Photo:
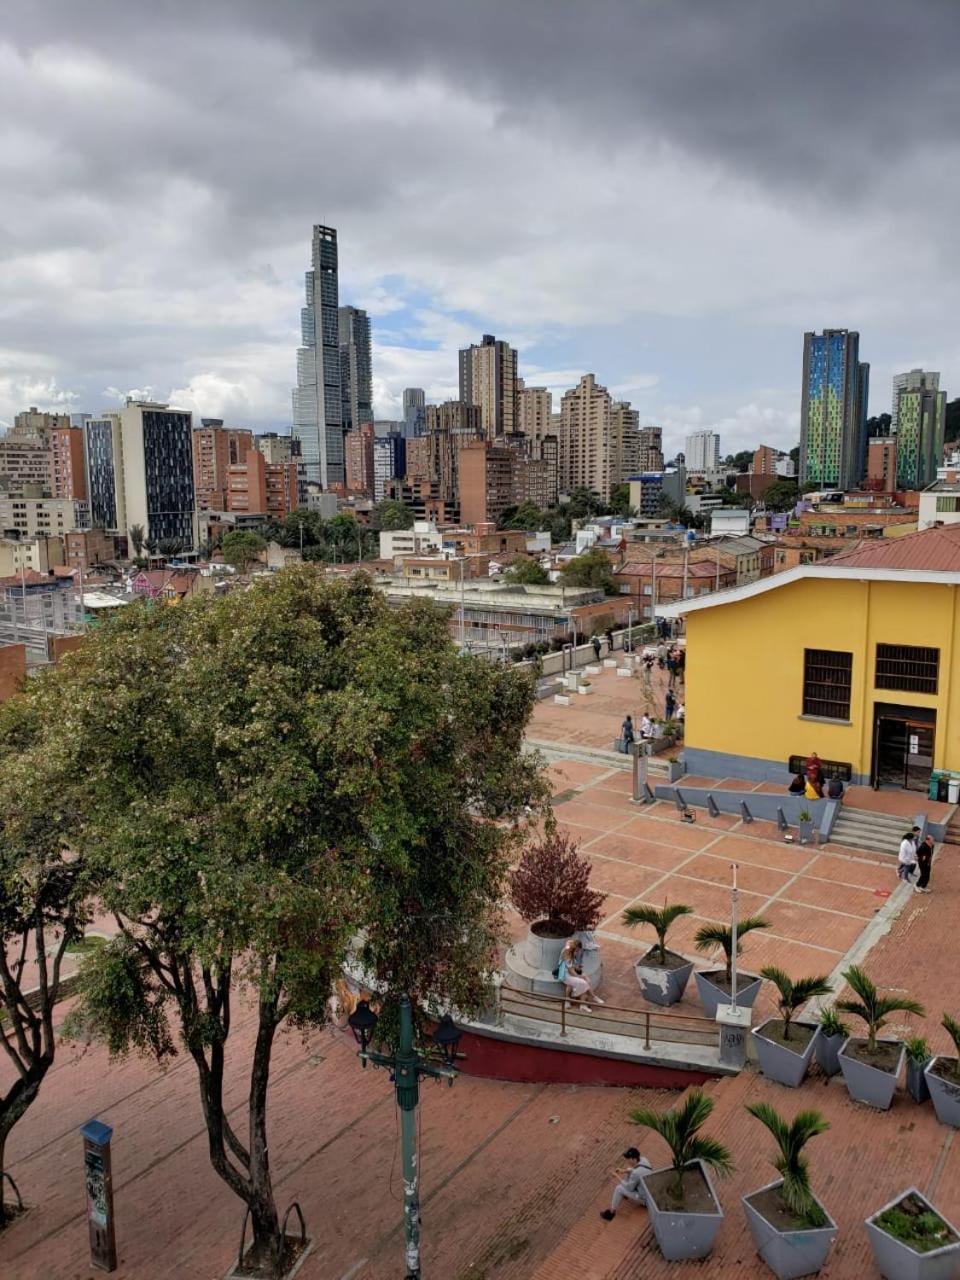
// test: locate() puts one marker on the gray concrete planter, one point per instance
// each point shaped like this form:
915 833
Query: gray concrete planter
945 1094
660 984
681 1235
529 965
789 1254
748 988
828 1053
867 1084
896 1260
917 1080
777 1062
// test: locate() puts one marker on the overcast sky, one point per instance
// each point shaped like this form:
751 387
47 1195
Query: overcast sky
666 193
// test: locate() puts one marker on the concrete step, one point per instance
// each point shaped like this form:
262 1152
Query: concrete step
593 755
864 846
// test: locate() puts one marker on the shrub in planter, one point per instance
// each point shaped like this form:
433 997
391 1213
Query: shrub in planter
870 1066
785 1048
912 1241
918 1056
790 1228
833 1032
943 1078
684 1210
713 985
805 823
663 975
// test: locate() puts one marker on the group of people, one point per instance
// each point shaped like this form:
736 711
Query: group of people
648 729
810 783
915 855
597 643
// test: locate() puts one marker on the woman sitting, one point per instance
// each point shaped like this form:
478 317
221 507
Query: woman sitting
570 974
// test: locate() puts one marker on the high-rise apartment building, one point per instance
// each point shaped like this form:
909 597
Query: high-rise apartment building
882 464
359 456
833 414
157 463
651 449
389 462
277 448
488 378
624 442
585 438
434 457
316 398
44 517
702 451
103 455
215 449
24 460
764 461
35 422
67 470
414 411
920 408
257 487
356 373
534 416
488 481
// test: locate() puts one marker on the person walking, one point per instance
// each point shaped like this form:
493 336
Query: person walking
924 862
596 646
630 1184
669 704
609 634
907 857
627 732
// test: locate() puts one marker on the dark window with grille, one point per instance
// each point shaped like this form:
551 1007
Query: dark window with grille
826 683
908 667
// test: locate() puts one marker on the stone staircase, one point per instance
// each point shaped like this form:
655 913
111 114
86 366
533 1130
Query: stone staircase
867 829
595 755
952 834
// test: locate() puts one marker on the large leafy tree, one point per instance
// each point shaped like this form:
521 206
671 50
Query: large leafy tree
592 569
390 515
267 776
43 892
528 572
241 548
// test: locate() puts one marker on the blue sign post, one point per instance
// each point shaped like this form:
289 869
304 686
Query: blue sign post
98 1179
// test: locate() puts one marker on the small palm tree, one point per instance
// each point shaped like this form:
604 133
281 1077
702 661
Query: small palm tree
680 1130
136 538
871 1006
952 1028
793 994
721 935
660 919
792 1164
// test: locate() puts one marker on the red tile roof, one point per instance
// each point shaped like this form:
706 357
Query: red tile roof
936 549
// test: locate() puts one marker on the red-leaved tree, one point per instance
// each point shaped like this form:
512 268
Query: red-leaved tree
551 884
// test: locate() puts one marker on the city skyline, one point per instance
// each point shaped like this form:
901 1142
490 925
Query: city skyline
164 260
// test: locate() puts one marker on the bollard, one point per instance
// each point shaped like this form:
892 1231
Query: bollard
98 1177
734 1024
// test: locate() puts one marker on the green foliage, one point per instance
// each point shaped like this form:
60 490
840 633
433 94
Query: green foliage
922 1231
584 502
721 935
781 496
391 515
680 1130
791 1163
831 1024
592 569
120 1004
918 1049
136 536
527 572
620 500
791 995
952 1028
241 548
659 918
952 425
170 547
873 1008
526 516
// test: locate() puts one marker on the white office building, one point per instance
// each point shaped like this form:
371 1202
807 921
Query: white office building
702 451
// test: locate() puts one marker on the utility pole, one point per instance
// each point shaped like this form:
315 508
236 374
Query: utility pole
717 588
463 619
733 932
686 561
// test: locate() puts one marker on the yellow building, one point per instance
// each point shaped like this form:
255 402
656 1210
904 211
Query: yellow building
855 658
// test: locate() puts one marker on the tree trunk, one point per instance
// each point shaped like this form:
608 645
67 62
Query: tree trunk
3 1143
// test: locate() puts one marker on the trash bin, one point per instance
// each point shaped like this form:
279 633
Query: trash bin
953 791
933 790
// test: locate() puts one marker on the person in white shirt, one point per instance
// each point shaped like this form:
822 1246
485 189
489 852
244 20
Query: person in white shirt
907 857
646 726
630 1185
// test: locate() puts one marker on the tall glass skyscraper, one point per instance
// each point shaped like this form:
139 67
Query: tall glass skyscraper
919 419
317 420
833 417
356 374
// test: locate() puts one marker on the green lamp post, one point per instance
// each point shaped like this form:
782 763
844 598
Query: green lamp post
407 1067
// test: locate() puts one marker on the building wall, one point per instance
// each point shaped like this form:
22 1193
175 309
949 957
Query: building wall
882 464
745 665
488 379
13 669
85 547
43 516
158 470
316 397
833 409
103 456
276 448
585 438
356 379
67 469
702 450
24 462
358 447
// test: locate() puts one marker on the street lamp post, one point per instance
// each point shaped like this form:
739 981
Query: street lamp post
407 1067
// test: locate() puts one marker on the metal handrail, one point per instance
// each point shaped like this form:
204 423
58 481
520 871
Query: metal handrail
683 1024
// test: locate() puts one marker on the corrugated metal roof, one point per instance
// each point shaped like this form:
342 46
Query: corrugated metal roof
937 548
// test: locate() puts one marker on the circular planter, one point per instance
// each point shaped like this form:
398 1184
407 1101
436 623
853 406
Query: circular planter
866 1083
530 964
777 1061
682 1235
788 1253
945 1093
748 988
663 984
897 1260
828 1053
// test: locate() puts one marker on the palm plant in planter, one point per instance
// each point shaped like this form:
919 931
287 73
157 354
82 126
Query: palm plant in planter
714 985
684 1209
662 974
918 1056
790 1228
942 1075
784 1048
912 1241
870 1066
833 1032
550 889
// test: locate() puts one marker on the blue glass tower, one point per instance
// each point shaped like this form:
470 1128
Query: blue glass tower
833 439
